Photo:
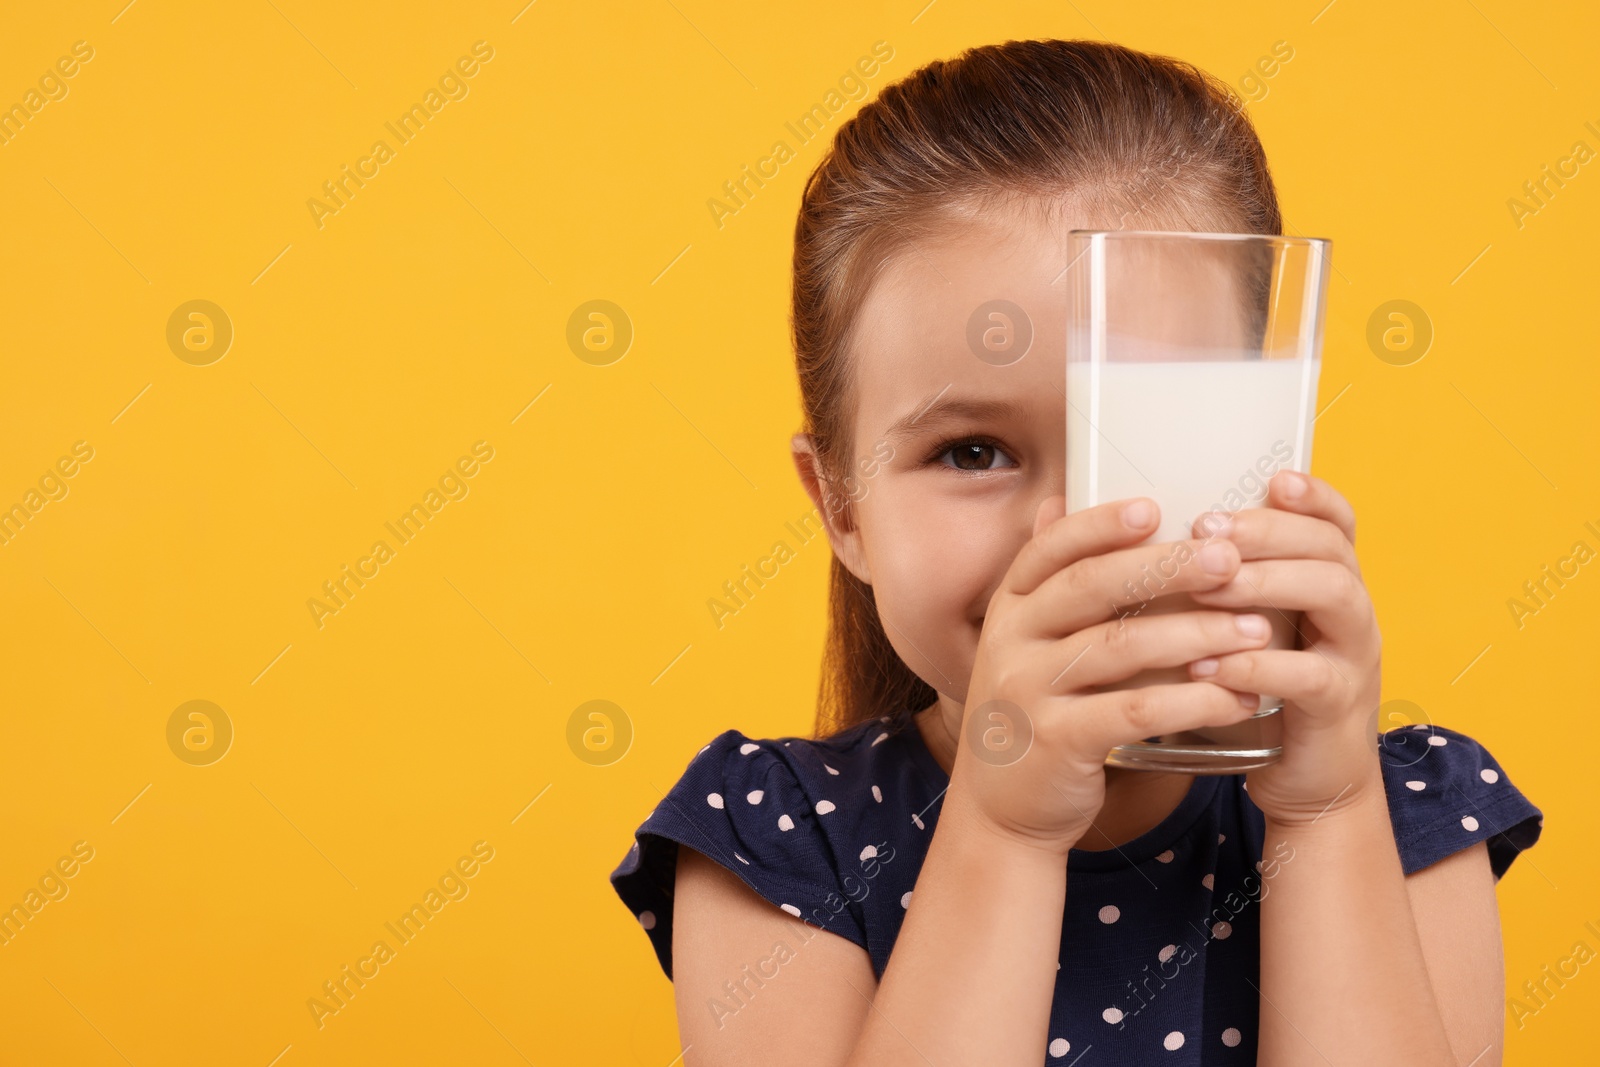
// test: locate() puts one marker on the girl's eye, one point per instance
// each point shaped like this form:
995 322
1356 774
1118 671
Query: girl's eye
972 454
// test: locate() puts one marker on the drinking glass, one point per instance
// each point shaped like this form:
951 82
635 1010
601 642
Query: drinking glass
1192 365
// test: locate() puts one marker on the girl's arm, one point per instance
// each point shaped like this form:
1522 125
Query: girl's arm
1348 973
1344 974
971 979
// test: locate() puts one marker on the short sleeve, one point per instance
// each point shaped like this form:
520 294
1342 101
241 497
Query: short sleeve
1446 793
747 805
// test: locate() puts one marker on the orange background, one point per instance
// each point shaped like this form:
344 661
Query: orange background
373 347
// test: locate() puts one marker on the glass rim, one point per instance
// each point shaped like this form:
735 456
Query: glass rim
1206 235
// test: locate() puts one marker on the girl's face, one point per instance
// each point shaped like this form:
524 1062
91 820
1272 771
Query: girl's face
975 436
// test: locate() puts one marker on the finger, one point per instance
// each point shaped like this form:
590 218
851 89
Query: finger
1115 651
1115 583
1069 538
1310 495
1306 678
1330 594
1106 720
1270 533
1051 509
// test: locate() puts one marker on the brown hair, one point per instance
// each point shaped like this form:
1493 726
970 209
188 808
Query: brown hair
1031 123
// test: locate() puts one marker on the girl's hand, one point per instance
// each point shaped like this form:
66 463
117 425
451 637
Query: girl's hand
1299 555
1030 762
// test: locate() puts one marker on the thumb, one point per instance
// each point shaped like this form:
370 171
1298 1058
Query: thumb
1050 509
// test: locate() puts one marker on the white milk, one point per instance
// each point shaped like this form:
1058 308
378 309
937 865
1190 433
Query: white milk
1194 436
1191 435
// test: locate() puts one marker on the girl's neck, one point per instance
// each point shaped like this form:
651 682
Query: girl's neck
1136 801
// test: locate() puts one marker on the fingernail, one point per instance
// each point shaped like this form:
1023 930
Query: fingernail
1204 667
1216 523
1250 700
1214 558
1136 514
1293 484
1251 625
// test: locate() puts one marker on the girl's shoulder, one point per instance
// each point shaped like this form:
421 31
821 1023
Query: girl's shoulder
1446 792
807 823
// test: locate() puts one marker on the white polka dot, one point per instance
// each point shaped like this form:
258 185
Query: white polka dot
741 859
754 796
1221 930
714 799
829 769
1060 1047
1112 1015
918 820
791 909
1166 954
1258 865
647 919
869 852
785 823
1469 822
877 794
905 898
1208 881
1110 913
1221 838
880 737
824 806
1165 857
1245 786
1231 1036
748 747
702 749
1416 787
1490 775
1173 1041
1438 739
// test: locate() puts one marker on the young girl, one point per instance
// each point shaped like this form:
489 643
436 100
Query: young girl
890 892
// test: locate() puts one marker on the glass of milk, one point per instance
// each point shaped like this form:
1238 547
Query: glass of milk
1192 365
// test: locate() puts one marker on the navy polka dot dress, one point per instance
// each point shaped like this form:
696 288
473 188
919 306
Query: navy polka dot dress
1164 930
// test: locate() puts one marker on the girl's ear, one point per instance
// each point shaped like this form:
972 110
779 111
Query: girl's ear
838 513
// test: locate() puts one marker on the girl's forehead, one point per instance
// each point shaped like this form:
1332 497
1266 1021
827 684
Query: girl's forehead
980 310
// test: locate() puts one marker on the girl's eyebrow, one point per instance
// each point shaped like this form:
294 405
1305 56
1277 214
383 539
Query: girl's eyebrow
938 410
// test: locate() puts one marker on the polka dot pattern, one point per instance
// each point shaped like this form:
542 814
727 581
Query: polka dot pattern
800 819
